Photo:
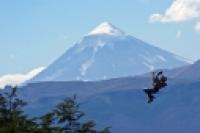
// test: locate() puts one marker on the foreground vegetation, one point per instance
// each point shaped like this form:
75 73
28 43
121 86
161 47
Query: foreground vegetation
64 118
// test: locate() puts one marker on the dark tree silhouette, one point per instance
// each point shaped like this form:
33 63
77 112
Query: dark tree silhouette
63 119
12 117
68 114
48 124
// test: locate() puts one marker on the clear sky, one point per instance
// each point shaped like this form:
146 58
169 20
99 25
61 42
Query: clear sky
34 33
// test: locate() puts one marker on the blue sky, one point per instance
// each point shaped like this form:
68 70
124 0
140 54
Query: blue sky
36 32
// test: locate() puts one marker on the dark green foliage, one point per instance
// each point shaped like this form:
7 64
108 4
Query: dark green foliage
47 124
106 130
88 127
68 114
63 119
12 117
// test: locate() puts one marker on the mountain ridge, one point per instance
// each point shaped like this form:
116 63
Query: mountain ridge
102 55
122 104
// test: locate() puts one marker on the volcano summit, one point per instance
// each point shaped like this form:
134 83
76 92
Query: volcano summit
108 52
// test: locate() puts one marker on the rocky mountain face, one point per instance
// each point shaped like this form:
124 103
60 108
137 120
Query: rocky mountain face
107 52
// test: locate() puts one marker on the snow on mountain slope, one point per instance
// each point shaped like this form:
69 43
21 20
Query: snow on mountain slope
107 52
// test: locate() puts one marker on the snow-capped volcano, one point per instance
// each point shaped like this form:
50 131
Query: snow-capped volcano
107 52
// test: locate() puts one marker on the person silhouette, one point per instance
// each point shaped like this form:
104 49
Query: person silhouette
159 82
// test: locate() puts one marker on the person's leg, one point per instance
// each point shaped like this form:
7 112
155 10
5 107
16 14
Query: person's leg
149 93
